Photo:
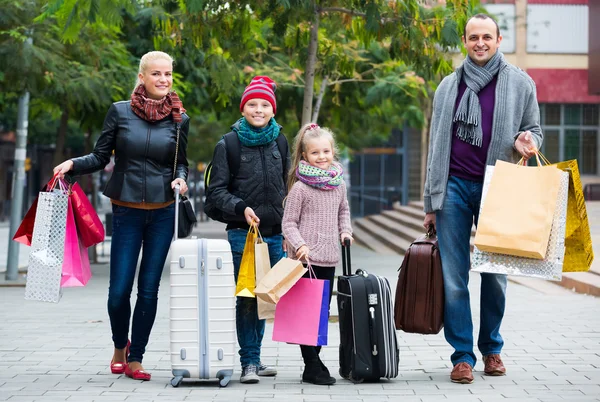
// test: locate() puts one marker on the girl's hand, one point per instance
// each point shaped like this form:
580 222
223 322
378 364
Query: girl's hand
182 185
63 168
302 253
251 216
344 236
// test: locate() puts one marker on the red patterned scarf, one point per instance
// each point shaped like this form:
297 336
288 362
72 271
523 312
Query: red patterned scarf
154 110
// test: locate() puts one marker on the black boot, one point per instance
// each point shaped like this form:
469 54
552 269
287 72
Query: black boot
314 374
323 367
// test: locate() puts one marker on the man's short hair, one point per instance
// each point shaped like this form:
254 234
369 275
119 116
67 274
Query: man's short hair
482 17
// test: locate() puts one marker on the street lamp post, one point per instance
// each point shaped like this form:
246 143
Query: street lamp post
18 187
18 182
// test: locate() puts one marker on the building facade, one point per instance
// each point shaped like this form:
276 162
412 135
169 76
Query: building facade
549 39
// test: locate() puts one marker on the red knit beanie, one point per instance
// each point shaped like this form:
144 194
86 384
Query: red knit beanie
261 87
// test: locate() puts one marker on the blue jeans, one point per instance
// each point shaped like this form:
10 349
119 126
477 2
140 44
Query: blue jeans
453 225
250 330
131 228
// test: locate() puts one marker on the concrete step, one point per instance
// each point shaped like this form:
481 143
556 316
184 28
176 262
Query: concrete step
365 239
410 211
404 221
397 226
420 205
582 282
381 235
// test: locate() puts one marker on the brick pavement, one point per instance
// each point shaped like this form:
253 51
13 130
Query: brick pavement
60 352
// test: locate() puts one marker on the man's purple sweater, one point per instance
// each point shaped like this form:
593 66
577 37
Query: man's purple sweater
468 161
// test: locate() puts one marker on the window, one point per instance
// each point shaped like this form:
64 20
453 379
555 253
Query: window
551 145
571 131
590 115
589 154
552 115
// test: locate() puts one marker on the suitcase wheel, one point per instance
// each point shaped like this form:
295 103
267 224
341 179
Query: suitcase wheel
175 381
224 381
355 380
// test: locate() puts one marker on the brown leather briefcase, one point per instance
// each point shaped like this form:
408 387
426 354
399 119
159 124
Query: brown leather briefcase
420 291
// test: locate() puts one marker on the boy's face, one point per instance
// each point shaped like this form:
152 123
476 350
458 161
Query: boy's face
258 112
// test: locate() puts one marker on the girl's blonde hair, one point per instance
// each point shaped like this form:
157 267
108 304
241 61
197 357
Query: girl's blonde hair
147 59
307 133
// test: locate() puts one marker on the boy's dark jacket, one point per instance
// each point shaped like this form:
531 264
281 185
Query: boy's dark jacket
259 184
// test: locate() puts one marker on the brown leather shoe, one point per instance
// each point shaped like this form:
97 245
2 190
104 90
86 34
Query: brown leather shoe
493 365
462 373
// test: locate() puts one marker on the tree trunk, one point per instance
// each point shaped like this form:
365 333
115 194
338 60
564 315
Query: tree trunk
61 136
425 142
311 63
315 115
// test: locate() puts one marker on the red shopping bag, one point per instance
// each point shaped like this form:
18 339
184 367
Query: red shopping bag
76 264
89 225
24 233
302 314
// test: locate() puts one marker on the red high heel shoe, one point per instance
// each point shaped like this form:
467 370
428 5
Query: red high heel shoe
137 374
119 367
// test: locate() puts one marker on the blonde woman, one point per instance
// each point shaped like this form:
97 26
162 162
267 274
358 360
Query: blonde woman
142 132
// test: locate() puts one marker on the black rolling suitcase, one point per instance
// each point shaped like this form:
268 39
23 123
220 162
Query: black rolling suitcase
368 345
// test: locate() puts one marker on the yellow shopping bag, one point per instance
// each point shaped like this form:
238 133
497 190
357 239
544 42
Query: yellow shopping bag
247 275
578 240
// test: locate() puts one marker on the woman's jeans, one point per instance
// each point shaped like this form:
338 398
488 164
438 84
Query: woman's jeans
133 227
453 225
250 330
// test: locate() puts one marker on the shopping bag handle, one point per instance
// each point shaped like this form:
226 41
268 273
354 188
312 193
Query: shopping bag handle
255 226
311 272
541 159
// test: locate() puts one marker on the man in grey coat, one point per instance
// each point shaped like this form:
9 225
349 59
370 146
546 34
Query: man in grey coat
485 111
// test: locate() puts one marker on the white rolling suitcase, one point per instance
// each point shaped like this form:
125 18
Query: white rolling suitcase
202 309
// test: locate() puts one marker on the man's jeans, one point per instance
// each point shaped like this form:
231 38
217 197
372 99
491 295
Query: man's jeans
131 228
250 329
453 224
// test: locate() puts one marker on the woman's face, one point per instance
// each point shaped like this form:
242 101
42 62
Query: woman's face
158 78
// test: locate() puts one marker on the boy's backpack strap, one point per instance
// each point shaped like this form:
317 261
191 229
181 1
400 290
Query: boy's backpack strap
234 151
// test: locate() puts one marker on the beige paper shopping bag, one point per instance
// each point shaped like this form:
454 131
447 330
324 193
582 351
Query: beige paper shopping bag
263 266
516 217
279 280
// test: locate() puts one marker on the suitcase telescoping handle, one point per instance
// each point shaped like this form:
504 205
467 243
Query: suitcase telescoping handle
346 262
177 189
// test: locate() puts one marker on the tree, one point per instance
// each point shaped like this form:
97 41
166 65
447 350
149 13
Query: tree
69 81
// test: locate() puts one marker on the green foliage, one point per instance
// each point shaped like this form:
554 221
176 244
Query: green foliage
379 59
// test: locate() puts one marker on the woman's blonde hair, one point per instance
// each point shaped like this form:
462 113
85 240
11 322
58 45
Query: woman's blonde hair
307 133
146 60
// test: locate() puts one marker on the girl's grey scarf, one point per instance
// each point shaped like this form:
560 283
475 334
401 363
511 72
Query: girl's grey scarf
468 112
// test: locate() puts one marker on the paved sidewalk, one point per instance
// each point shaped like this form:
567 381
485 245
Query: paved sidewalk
60 352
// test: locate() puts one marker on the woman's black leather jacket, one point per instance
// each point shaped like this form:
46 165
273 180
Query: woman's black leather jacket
144 155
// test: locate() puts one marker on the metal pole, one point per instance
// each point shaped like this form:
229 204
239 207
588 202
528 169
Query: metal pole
18 185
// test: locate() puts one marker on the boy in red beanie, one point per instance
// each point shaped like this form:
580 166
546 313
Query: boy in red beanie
252 191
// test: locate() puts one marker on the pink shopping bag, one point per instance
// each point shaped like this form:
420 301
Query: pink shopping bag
76 264
302 314
89 225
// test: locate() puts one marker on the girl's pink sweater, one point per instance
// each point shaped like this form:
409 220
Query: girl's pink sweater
316 218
